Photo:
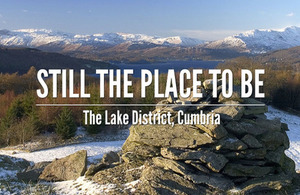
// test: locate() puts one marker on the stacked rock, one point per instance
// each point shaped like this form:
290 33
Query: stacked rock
242 154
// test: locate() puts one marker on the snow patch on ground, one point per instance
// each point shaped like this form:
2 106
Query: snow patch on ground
95 150
4 173
293 122
81 186
85 186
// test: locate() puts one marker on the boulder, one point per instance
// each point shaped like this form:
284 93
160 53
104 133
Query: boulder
208 84
32 173
130 157
95 168
193 99
168 164
276 156
288 166
244 127
68 168
162 104
251 141
238 170
215 162
236 96
214 130
184 136
157 181
254 110
270 182
272 140
140 149
249 154
120 174
230 143
229 113
216 182
198 165
110 158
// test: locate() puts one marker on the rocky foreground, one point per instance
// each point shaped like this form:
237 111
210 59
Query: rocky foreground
243 154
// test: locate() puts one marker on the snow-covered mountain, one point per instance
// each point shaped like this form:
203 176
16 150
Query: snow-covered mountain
42 37
260 41
140 47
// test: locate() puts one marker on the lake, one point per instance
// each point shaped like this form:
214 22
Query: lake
165 66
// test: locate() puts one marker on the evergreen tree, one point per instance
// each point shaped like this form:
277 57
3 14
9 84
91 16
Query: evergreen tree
65 125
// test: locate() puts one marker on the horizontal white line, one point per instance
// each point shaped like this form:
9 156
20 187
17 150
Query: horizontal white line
132 105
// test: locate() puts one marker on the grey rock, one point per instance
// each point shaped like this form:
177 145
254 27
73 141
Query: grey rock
289 166
217 182
272 140
111 157
214 130
244 127
236 96
250 154
215 162
95 168
176 166
197 165
193 99
230 143
238 170
68 168
140 149
270 182
32 173
119 174
155 180
254 110
250 162
276 156
229 113
208 84
251 141
184 136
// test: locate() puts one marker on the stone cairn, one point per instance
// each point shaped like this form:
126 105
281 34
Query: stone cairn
242 155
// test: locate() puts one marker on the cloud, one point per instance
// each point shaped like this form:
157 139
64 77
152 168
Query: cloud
25 10
207 35
290 14
69 12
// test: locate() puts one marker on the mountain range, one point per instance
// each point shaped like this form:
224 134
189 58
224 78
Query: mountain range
139 47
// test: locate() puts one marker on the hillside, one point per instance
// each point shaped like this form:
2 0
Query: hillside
140 47
289 56
21 59
259 41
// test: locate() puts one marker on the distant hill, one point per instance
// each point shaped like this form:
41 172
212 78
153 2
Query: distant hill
21 59
282 59
139 47
259 41
291 55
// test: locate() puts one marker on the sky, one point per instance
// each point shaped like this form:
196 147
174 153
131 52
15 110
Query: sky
202 19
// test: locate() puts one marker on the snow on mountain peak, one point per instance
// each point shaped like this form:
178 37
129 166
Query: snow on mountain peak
40 37
260 40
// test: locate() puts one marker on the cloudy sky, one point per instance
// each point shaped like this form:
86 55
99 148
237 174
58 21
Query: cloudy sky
207 20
